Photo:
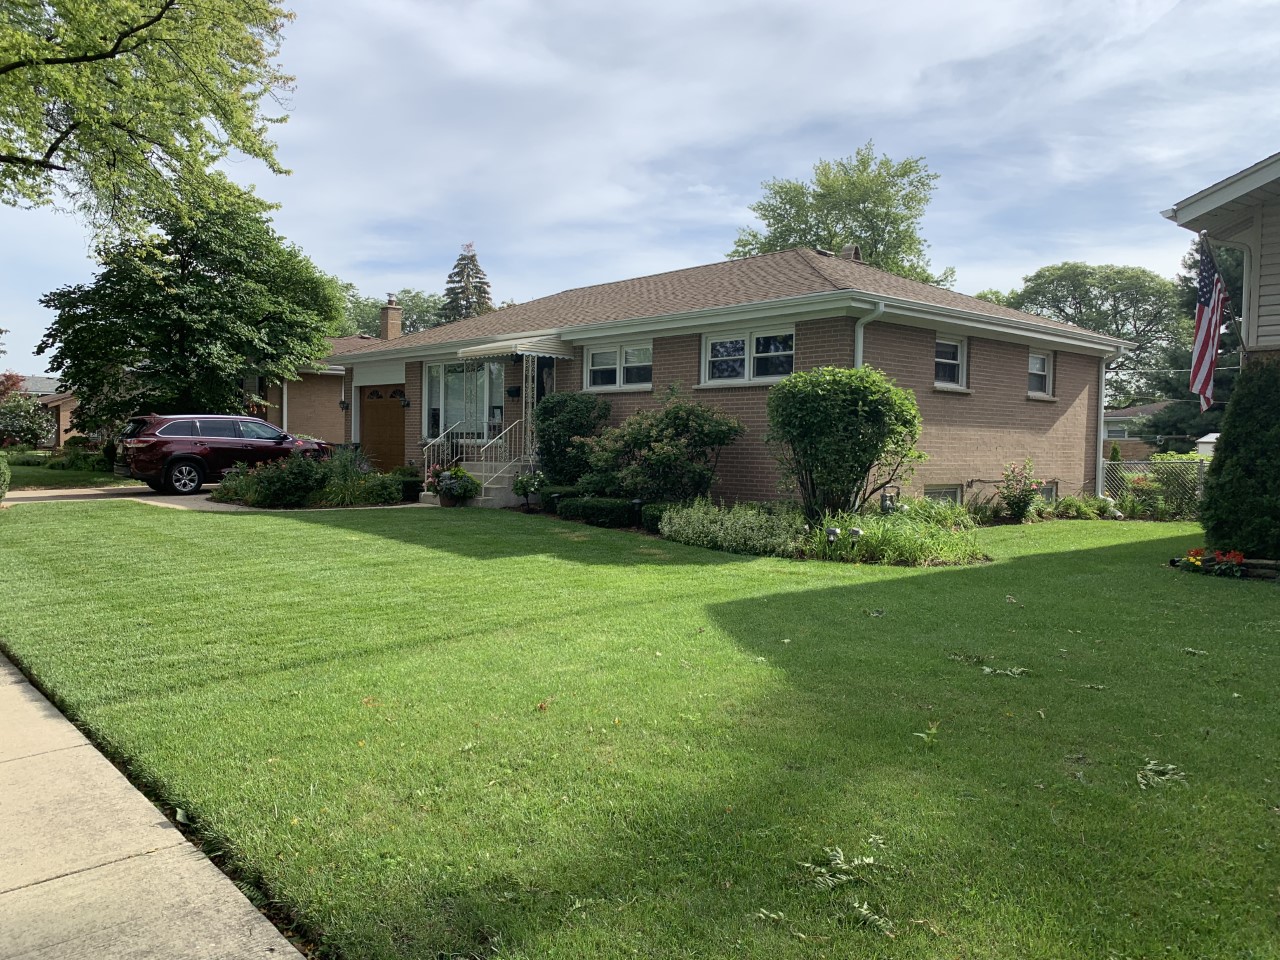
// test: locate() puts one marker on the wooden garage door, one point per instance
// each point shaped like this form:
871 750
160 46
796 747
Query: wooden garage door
382 425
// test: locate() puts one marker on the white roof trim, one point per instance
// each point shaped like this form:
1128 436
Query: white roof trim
1224 191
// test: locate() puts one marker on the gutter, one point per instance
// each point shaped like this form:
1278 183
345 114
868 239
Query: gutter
874 315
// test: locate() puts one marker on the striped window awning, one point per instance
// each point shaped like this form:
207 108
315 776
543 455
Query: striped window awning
525 347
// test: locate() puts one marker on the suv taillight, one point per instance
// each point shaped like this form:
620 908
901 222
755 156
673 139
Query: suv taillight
133 442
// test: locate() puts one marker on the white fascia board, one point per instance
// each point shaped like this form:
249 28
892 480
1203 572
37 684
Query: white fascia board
1027 331
834 303
1224 191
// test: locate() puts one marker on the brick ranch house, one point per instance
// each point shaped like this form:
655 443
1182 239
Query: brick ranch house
994 385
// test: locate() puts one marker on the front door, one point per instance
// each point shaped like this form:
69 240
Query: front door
382 425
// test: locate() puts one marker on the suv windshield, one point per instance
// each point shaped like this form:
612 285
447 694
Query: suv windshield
254 430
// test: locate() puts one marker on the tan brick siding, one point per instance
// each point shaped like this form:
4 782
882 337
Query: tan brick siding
313 407
413 416
969 437
348 386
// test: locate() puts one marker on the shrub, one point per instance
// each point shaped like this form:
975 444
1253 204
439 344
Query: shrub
943 513
985 510
79 457
1242 485
842 435
1076 508
896 538
664 454
291 481
527 484
743 528
599 511
552 494
559 420
6 475
1115 456
1018 489
363 490
651 515
26 459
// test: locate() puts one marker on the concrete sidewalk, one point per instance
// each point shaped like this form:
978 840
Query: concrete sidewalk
199 501
90 869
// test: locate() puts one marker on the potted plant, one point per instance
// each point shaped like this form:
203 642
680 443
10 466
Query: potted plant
454 487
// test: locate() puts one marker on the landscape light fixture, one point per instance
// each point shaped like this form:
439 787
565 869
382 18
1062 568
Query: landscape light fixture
889 501
832 534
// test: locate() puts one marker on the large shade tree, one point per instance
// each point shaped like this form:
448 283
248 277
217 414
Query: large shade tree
1131 303
176 320
875 202
119 107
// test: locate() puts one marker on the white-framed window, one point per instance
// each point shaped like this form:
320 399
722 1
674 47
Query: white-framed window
948 361
619 365
945 493
747 356
1040 373
1117 433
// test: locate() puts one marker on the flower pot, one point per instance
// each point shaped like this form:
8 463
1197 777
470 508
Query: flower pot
448 501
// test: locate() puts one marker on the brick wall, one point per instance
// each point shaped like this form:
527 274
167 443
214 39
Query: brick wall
413 416
969 436
313 407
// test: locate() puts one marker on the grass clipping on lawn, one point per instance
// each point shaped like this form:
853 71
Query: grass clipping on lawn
475 733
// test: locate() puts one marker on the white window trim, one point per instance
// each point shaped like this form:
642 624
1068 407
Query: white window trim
946 488
962 357
748 335
621 346
1047 392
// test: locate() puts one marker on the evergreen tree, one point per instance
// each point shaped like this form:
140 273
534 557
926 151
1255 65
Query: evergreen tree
466 293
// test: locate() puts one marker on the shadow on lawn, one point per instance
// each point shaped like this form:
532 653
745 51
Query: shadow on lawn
990 829
481 534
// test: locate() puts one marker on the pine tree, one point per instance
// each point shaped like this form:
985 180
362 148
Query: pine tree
466 293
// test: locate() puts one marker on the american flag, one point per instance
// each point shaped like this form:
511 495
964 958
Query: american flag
1211 303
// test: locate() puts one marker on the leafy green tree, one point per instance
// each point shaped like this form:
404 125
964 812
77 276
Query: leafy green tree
1241 506
560 420
1131 303
10 382
876 203
1182 422
121 106
174 321
466 294
842 435
24 420
363 314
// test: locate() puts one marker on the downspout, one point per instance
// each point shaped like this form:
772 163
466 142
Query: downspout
875 314
284 406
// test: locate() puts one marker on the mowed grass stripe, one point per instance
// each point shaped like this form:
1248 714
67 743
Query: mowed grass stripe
461 732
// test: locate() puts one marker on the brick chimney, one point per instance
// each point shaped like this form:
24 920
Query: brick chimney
389 325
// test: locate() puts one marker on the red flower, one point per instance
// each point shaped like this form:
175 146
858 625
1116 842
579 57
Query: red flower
1197 552
1235 556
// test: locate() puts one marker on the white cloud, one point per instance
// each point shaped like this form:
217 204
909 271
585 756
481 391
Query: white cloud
576 142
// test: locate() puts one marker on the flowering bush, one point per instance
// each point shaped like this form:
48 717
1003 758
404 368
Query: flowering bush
1018 489
527 484
455 483
1229 563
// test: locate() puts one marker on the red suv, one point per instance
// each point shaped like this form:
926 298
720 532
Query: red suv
179 453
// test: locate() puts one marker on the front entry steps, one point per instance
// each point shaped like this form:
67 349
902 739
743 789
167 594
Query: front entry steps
497 492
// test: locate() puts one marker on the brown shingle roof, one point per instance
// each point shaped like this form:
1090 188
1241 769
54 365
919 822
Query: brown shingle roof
728 283
347 344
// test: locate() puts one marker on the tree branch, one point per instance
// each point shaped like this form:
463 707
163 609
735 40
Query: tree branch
36 162
116 50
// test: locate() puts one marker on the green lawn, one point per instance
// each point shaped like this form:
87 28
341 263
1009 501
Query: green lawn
445 733
42 478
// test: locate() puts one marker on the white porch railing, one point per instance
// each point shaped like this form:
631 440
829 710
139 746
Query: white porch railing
500 456
443 449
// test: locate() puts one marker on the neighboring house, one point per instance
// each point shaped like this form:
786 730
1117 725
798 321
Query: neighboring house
1127 427
38 386
994 385
311 405
60 407
1243 211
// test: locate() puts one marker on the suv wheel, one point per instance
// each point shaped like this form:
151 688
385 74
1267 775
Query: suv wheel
185 476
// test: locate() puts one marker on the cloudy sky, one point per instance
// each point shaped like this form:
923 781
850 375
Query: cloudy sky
577 142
